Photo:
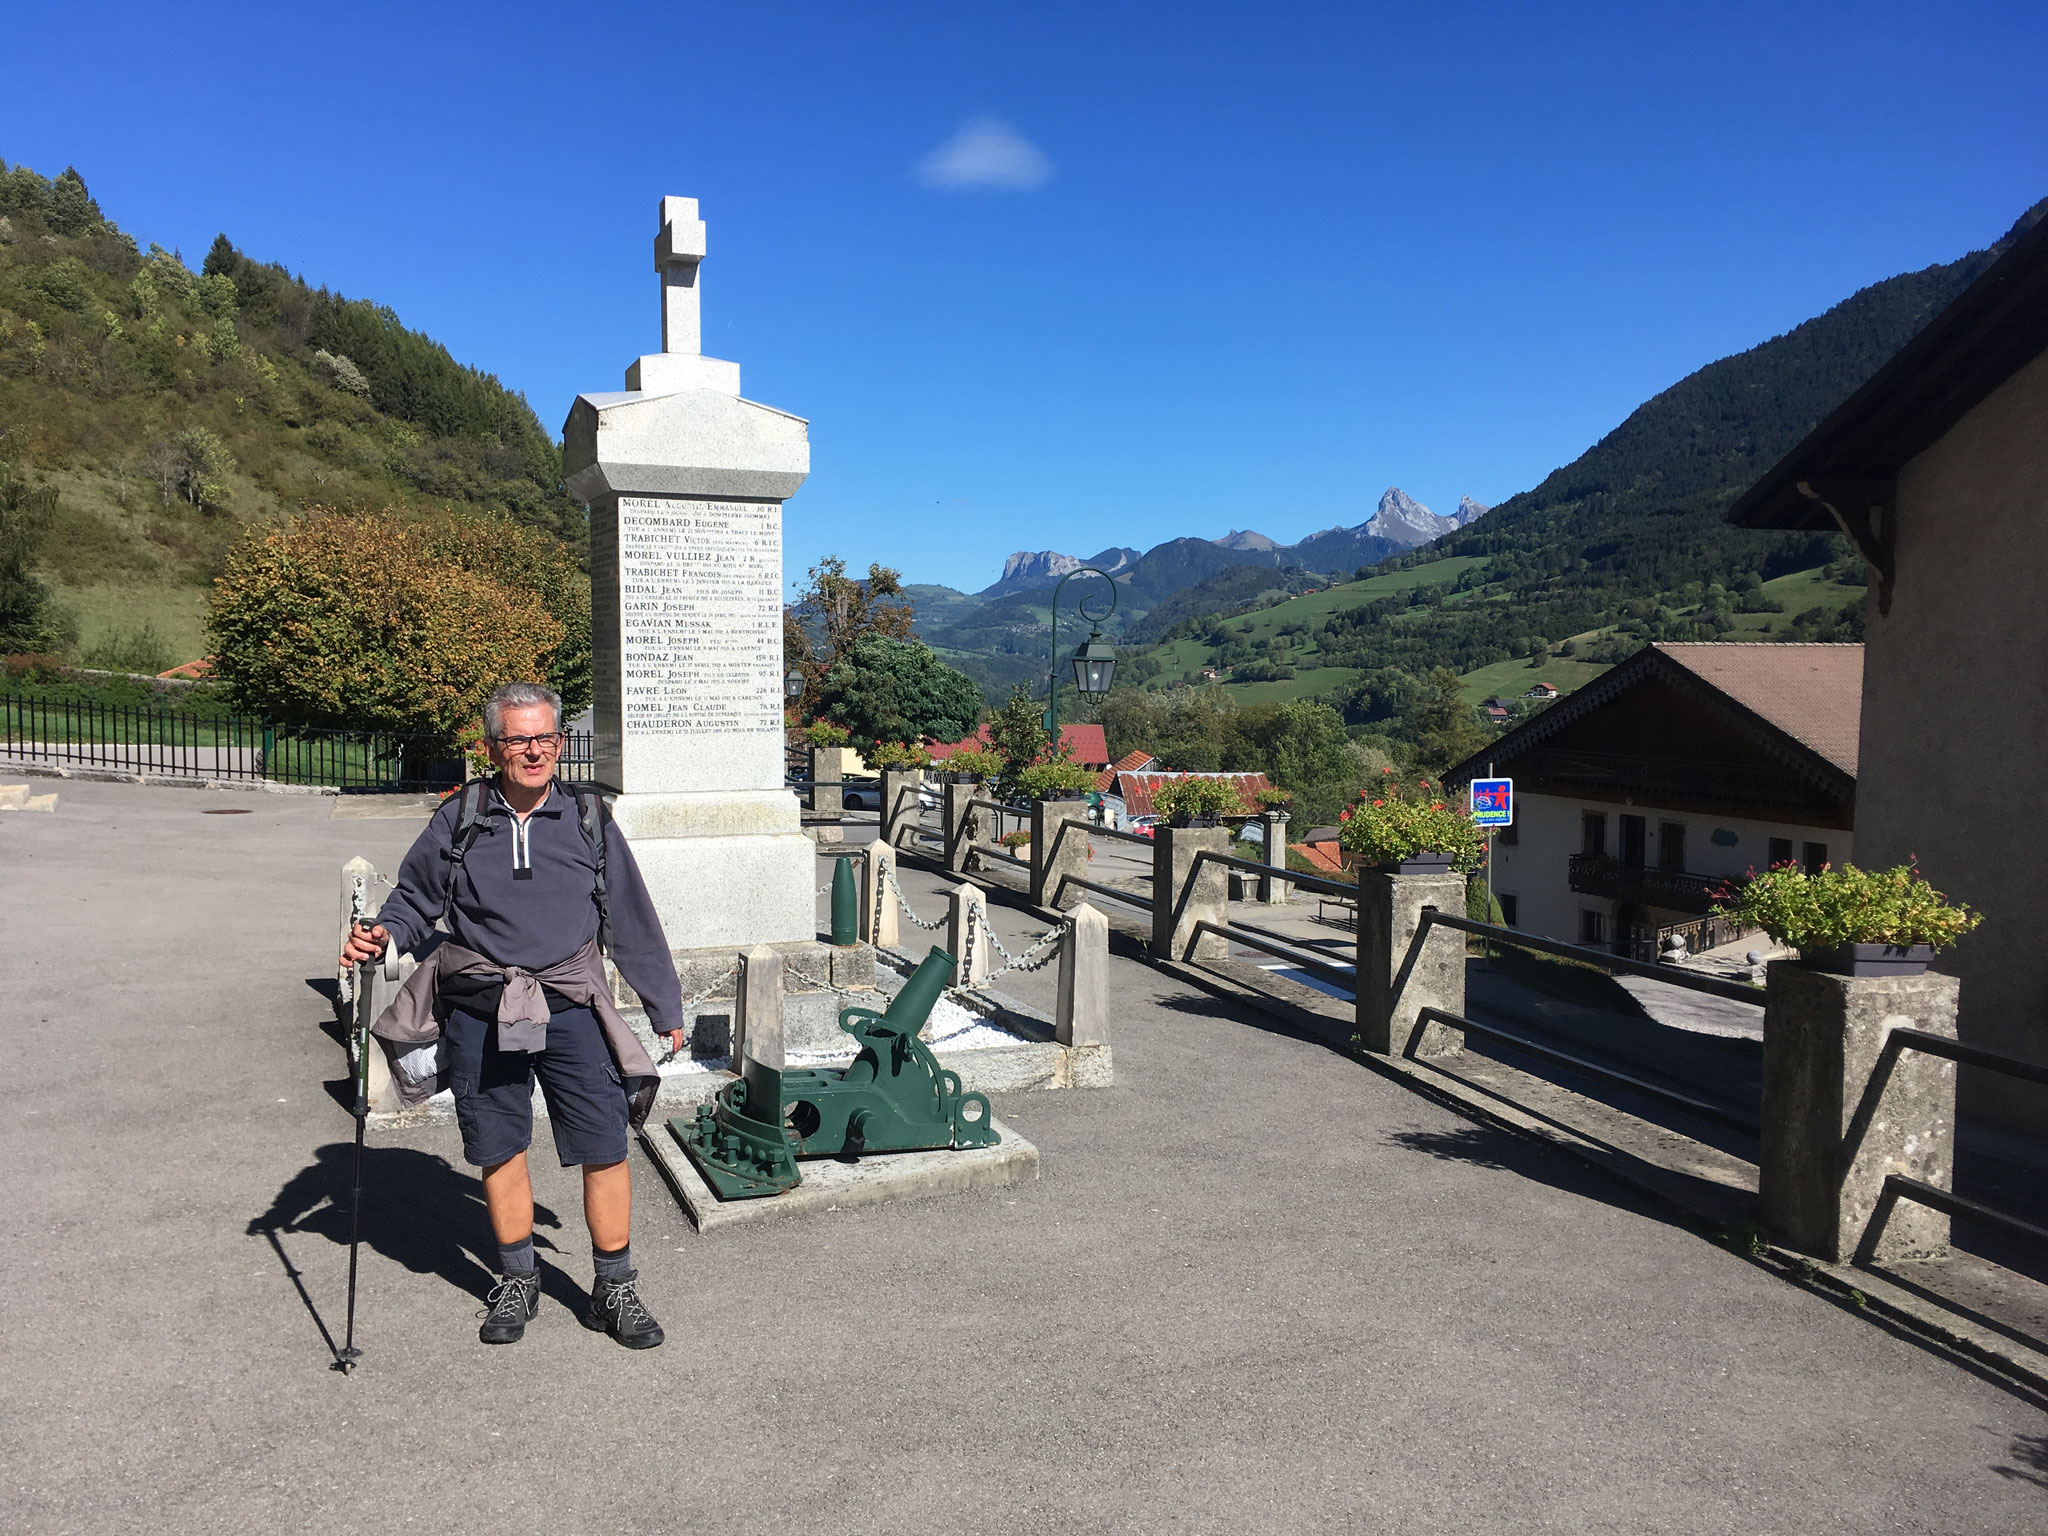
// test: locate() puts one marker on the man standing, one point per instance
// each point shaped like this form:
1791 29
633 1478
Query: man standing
518 991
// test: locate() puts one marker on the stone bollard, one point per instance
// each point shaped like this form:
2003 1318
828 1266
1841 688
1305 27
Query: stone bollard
1272 889
902 805
882 915
1056 851
1396 981
1177 907
1840 1112
960 826
757 1009
1083 1012
827 772
967 935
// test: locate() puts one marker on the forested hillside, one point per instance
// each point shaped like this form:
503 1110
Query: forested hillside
170 408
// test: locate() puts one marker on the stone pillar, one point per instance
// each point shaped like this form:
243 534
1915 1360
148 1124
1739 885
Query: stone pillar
967 935
1396 981
757 1052
359 896
1174 919
1838 1115
685 481
1049 865
1272 889
880 917
828 772
1083 1012
902 805
959 825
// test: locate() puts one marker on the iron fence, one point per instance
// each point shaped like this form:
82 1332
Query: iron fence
203 744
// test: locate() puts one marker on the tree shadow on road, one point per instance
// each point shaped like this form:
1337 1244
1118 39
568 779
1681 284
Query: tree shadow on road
2031 1451
418 1210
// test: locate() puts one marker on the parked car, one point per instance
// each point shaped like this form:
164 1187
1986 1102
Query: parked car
860 795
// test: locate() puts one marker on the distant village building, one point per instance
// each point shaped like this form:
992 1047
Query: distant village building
1084 743
1541 691
1937 470
1127 802
1639 796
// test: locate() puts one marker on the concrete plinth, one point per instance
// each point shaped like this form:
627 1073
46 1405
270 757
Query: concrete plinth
902 804
1396 979
832 1184
1840 1114
1175 907
731 868
1053 856
962 826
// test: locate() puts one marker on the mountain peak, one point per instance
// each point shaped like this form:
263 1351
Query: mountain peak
1245 539
1469 511
1404 521
1027 569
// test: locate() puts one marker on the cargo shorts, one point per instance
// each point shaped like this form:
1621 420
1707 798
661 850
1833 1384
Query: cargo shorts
587 1102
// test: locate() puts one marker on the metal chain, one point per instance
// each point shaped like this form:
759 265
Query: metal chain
1030 960
903 906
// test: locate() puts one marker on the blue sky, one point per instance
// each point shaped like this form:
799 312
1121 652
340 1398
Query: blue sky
1065 276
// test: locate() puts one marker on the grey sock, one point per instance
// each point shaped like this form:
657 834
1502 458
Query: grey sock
516 1258
616 1265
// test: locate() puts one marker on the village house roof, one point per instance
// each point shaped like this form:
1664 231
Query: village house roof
1089 746
1803 703
1990 331
1137 789
1328 857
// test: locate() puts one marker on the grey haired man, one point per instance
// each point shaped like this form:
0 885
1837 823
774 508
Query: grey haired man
517 991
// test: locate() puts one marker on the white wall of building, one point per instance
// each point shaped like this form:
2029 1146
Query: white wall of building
1536 869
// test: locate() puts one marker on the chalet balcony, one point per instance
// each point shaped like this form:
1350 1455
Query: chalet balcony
1751 787
1596 874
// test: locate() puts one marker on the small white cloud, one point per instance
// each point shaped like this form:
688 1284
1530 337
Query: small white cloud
985 153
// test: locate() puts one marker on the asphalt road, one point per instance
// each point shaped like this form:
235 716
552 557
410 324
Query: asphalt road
1258 1288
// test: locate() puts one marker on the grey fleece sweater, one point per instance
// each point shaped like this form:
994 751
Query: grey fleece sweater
528 897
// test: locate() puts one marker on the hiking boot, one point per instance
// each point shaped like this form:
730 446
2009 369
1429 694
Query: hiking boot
511 1306
616 1309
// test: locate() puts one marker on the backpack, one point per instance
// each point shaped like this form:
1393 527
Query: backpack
592 815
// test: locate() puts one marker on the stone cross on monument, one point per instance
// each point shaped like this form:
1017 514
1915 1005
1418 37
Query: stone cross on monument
685 483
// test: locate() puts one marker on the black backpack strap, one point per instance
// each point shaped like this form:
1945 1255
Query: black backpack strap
468 822
592 815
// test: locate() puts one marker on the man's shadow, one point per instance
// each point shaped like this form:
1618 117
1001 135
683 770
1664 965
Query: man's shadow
417 1209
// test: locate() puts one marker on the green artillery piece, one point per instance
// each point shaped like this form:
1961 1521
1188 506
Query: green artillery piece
895 1097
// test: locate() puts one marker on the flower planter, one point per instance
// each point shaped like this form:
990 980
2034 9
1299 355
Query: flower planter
1195 821
1064 794
1418 864
1869 959
959 778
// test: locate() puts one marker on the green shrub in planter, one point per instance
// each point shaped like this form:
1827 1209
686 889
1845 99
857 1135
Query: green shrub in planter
1273 798
896 754
975 762
1056 776
1398 821
1190 796
824 733
1894 907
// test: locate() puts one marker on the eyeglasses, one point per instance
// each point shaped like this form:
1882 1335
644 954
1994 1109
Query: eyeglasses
552 742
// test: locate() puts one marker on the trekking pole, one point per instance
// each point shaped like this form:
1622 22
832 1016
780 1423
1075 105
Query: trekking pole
349 1353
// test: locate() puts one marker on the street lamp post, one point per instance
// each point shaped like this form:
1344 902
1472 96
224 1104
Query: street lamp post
1094 662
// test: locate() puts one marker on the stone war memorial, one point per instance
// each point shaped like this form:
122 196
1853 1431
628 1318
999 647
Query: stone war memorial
685 482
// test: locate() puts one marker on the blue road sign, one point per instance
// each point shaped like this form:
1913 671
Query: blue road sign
1493 802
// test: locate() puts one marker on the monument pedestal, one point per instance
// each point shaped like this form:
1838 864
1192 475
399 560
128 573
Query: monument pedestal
729 867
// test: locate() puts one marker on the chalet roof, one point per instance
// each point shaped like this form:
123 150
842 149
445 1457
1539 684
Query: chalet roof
1137 788
1803 701
1990 331
1086 742
1134 761
1325 856
1813 693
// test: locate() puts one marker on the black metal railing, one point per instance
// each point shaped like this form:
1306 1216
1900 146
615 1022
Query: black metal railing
1598 874
202 744
1899 1186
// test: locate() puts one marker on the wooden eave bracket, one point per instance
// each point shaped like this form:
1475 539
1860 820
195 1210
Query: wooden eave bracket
1865 511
